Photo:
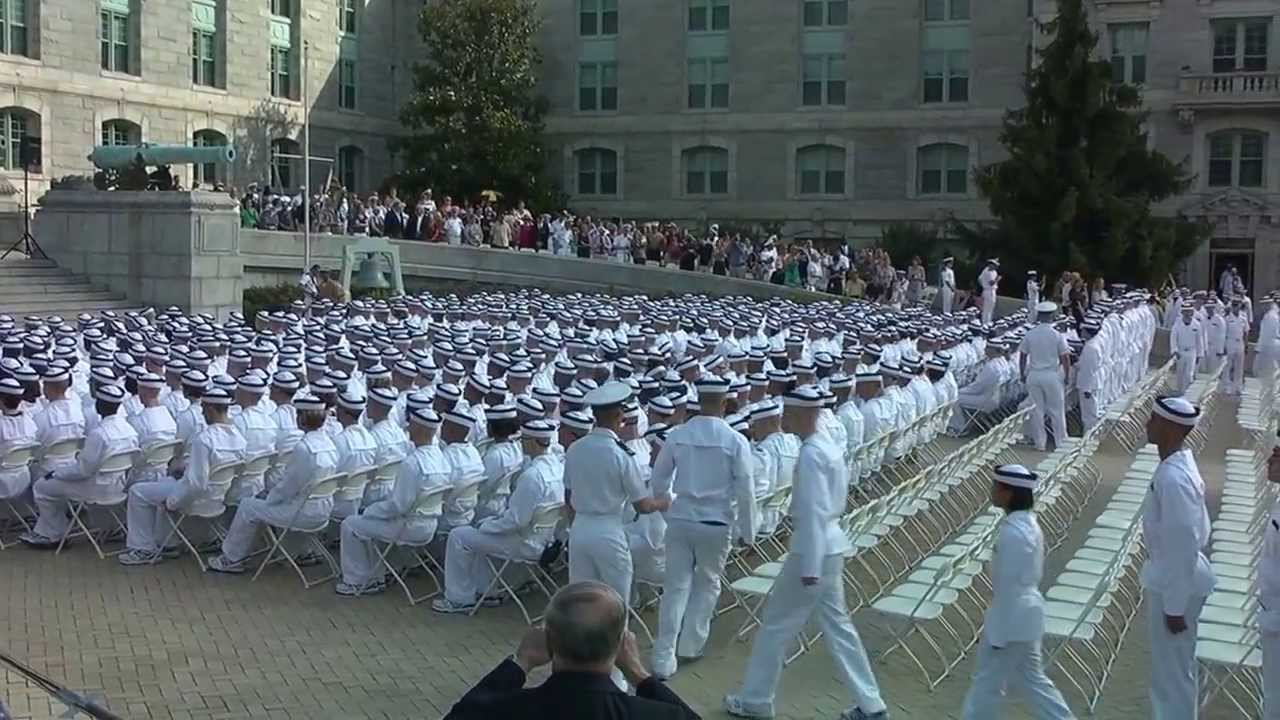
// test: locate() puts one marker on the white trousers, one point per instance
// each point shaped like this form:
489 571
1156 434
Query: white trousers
948 296
1184 371
1235 370
1089 409
359 555
786 612
1270 675
1016 665
54 497
253 512
695 559
1264 364
148 524
1045 390
988 307
466 571
598 550
1175 675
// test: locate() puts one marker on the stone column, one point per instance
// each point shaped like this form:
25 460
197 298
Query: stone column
157 248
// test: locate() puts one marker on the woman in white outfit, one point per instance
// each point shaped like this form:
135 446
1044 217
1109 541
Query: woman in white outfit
1009 656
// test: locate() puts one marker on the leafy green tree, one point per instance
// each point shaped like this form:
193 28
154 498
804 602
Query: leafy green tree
475 113
1077 190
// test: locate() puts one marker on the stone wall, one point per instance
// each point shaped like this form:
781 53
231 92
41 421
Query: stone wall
158 249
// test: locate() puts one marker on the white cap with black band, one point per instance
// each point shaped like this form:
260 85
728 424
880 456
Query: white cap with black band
1177 410
1017 476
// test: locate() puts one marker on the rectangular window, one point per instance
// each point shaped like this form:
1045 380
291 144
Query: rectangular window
597 17
347 84
1221 156
708 83
708 15
1253 147
282 8
347 16
597 86
13 27
597 172
115 40
1240 45
826 13
280 59
1129 53
706 171
944 168
824 80
204 64
13 127
946 10
946 76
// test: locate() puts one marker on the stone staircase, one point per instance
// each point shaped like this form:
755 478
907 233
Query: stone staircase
39 287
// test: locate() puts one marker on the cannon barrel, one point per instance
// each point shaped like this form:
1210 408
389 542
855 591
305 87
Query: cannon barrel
119 157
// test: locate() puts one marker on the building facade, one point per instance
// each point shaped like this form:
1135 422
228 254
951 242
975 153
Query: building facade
835 117
831 117
80 73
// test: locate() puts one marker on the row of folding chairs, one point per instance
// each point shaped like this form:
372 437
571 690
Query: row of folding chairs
1256 413
1227 639
921 435
940 605
1127 416
1008 398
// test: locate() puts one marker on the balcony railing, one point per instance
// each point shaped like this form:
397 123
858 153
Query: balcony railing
1245 88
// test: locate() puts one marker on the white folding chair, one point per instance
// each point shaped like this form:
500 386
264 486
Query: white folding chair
544 521
428 504
321 489
383 480
15 458
251 474
351 490
119 462
59 452
155 459
208 508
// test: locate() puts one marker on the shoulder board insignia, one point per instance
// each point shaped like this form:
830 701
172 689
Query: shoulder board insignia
624 447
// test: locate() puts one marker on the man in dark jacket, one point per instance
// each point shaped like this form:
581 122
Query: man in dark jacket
584 639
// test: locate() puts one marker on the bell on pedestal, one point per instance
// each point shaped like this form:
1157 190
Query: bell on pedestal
370 274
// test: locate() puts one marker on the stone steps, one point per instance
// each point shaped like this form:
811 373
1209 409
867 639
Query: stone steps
39 287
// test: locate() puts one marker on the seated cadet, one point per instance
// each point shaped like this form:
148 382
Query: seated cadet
392 442
80 479
153 423
356 446
217 444
254 422
500 454
983 394
391 517
540 483
314 458
16 428
60 418
284 385
780 450
465 466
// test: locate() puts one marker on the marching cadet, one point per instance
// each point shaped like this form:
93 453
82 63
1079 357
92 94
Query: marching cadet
1010 652
1184 345
1176 576
707 466
811 578
1269 601
79 478
314 457
1089 374
1237 332
1215 337
219 442
1045 361
466 570
391 518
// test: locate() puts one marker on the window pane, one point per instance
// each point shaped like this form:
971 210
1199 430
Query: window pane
956 181
697 18
935 9
609 98
1224 46
609 182
609 23
838 12
959 9
813 13
1220 173
810 182
1117 69
930 182
697 72
933 90
697 96
105 30
720 95
1255 37
1251 173
835 182
1139 69
1220 146
835 92
958 89
609 75
586 183
587 23
1252 145
720 17
812 67
693 182
811 92
719 182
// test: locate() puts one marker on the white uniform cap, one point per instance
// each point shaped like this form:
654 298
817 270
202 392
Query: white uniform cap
578 420
448 391
216 396
711 385
308 402
766 410
1047 307
539 429
500 412
11 387
1017 476
352 402
426 417
252 384
609 394
285 380
1177 410
460 419
384 396
151 381
806 396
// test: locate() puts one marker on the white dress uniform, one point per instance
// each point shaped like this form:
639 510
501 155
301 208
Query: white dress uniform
878 419
603 480
356 449
1177 578
1013 627
80 479
153 425
1215 343
1269 614
501 460
190 423
1033 297
922 390
1044 347
215 445
287 432
947 283
818 545
393 444
1237 339
16 428
1268 345
57 420
1184 345
851 417
391 516
466 572
988 279
1089 382
983 394
706 466
465 468
783 450
258 428
313 458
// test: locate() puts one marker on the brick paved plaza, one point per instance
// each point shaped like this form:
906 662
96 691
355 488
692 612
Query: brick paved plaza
169 642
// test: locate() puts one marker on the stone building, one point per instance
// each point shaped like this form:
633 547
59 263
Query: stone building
832 117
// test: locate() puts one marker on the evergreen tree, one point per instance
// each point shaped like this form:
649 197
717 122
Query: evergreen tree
1077 190
475 113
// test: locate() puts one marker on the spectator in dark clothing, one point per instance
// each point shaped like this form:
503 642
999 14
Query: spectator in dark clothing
585 638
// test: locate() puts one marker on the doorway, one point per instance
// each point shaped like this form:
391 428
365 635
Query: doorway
1221 259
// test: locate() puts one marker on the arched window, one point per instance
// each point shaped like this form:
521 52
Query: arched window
350 168
15 124
706 170
942 169
207 174
121 132
282 167
820 170
597 170
1238 158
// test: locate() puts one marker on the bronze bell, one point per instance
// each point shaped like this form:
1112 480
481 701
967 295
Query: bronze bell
370 274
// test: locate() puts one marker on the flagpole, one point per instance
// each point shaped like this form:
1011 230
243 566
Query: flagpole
306 162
